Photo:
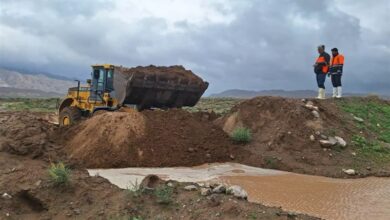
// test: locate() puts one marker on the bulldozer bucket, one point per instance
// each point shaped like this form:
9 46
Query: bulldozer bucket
160 87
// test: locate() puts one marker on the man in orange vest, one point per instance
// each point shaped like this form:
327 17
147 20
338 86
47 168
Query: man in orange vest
336 71
321 68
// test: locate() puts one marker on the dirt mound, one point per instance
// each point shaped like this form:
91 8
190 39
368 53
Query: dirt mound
26 133
282 128
148 138
171 72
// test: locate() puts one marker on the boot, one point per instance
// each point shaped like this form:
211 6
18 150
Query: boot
322 93
319 94
334 92
339 92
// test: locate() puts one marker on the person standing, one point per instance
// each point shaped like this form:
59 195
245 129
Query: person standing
321 68
336 71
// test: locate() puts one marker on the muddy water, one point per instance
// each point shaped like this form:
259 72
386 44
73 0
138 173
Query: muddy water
329 198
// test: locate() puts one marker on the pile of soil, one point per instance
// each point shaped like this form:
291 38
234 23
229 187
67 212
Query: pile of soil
27 134
148 139
165 72
281 130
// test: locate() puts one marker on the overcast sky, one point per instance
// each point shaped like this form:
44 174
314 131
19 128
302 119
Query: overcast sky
264 44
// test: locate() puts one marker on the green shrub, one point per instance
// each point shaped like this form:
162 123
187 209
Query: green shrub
241 135
135 190
59 174
163 194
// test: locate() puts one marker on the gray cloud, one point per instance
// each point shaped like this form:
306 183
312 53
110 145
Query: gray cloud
267 45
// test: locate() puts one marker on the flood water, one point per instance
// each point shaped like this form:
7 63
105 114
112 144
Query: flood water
329 198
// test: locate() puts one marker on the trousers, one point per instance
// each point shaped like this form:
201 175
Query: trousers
321 80
336 80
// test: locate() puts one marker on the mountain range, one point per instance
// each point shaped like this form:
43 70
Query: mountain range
21 84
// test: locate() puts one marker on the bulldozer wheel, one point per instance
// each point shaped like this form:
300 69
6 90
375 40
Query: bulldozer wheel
69 116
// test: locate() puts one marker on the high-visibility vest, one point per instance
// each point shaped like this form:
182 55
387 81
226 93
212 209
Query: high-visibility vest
325 67
336 64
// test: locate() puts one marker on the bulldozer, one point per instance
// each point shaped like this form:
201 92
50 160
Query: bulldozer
113 87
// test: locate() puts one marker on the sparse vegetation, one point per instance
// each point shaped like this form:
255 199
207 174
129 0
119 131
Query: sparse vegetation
241 135
163 194
29 104
218 105
376 115
59 173
135 190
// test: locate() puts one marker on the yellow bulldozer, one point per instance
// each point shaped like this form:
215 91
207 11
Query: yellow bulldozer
112 87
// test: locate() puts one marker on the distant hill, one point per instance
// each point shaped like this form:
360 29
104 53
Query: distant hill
21 84
237 93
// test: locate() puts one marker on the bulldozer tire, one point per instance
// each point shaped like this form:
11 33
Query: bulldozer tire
69 116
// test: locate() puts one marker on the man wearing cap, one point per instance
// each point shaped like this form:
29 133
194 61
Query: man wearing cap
336 71
321 68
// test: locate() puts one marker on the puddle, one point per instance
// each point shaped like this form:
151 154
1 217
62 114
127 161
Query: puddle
328 198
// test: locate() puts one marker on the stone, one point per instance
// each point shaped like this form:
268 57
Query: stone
310 106
312 138
237 192
170 184
349 171
332 140
232 156
326 143
190 149
324 136
315 114
6 196
318 133
340 141
205 191
190 188
358 119
219 189
353 153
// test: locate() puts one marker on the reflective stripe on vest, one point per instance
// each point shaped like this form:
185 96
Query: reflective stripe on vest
325 68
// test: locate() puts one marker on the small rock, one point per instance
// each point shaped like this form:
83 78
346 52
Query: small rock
326 143
170 184
378 125
341 141
349 171
237 192
368 168
330 155
318 133
77 211
353 154
289 133
205 191
217 214
38 183
232 156
190 188
312 138
6 196
332 140
219 189
324 136
303 100
358 119
311 106
315 113
7 214
191 149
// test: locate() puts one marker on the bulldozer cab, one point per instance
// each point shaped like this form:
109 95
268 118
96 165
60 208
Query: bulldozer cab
102 81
